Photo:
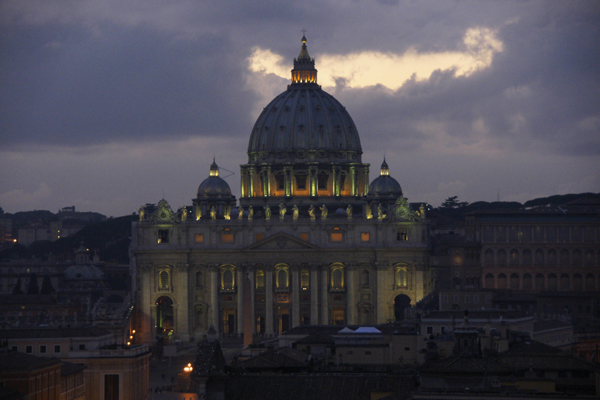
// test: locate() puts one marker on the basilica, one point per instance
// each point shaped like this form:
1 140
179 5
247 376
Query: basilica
311 241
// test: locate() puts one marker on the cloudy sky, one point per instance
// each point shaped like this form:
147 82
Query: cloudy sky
110 104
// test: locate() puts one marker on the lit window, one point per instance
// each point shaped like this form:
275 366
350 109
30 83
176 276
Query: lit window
227 238
364 237
304 280
337 237
402 235
163 236
401 277
301 182
322 181
281 277
199 238
337 278
163 280
259 237
260 279
227 278
304 236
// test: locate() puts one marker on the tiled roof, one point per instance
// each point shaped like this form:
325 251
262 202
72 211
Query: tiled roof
209 359
282 357
15 361
68 368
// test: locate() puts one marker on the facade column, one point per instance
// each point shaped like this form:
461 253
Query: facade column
214 297
244 182
251 182
269 301
241 283
295 287
351 299
250 275
324 314
288 176
354 186
336 180
148 315
183 320
314 295
365 180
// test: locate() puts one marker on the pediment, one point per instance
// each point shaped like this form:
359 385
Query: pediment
282 241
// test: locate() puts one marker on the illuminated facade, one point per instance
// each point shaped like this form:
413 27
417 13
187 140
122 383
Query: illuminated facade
311 240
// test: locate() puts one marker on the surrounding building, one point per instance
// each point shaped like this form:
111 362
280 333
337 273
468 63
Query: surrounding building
312 240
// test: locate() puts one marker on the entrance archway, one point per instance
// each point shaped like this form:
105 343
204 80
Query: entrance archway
164 316
401 302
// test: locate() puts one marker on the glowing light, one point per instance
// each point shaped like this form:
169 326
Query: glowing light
133 331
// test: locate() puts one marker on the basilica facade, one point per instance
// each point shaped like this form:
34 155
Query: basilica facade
311 240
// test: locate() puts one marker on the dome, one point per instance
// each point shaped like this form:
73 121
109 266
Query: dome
384 185
83 272
214 185
304 122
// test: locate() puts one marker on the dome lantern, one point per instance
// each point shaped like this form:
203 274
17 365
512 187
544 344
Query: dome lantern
304 71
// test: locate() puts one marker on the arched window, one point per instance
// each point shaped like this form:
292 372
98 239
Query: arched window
527 282
401 277
260 280
514 257
227 277
305 280
488 258
501 281
514 281
164 279
337 278
501 256
282 276
539 282
489 281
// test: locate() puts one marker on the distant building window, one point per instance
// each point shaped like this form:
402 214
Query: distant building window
15 348
259 237
429 330
456 299
402 235
28 349
301 181
163 236
367 352
82 347
304 236
227 238
401 277
43 349
445 298
57 348
476 298
260 279
227 278
337 278
337 237
163 280
467 298
304 280
322 181
199 238
364 237
407 349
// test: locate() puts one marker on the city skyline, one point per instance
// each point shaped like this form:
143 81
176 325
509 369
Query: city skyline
111 105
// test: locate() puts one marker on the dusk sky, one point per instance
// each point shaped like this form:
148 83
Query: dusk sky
106 105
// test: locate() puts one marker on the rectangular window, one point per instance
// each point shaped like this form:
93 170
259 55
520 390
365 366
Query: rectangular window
199 238
304 236
445 298
402 235
259 237
82 347
476 298
301 182
364 237
227 238
57 348
15 348
467 298
487 299
322 181
163 236
337 237
28 349
43 349
429 330
456 299
367 352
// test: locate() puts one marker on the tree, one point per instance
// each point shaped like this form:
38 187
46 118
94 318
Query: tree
453 203
33 287
17 287
47 287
